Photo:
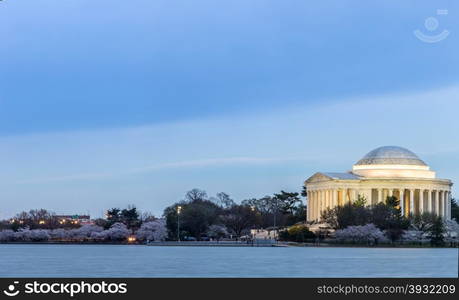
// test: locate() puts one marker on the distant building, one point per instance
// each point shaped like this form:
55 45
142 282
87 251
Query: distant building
266 234
74 219
385 171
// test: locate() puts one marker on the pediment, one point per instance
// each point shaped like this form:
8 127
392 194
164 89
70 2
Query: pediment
318 177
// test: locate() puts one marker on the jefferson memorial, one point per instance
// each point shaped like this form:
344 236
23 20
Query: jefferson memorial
385 171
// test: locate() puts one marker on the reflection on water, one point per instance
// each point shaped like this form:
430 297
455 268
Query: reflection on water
144 261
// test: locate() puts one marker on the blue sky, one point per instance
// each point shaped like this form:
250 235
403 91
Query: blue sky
109 103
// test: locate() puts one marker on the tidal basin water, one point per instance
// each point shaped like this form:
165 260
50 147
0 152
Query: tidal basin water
147 261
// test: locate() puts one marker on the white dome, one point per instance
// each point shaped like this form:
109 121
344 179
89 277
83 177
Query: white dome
391 155
392 162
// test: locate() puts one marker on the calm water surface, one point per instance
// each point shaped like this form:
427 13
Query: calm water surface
144 261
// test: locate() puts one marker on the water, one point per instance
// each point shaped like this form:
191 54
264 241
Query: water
144 261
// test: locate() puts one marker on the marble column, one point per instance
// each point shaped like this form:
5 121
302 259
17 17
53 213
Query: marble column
412 201
380 195
402 201
314 205
429 201
444 204
335 197
313 193
321 204
421 201
437 202
317 203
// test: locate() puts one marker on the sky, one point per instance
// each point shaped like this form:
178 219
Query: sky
109 103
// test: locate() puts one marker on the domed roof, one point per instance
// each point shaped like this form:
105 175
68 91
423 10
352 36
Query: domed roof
391 155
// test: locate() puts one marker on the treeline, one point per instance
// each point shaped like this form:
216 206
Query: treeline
383 223
199 216
118 232
120 225
202 217
44 219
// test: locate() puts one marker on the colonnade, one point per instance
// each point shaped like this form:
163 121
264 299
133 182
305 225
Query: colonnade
412 201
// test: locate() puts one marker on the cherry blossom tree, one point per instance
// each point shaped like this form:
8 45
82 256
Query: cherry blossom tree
368 233
7 235
152 231
452 231
85 231
117 232
217 231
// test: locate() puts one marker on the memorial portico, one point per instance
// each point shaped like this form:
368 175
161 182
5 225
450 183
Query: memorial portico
385 171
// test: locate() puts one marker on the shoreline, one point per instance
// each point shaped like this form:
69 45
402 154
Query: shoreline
230 244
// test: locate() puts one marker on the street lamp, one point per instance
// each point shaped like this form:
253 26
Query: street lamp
179 209
276 204
252 208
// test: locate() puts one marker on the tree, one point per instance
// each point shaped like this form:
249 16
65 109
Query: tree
217 232
304 191
224 200
117 232
392 201
349 214
281 210
130 217
239 218
36 218
60 234
7 235
299 214
413 235
419 227
113 216
454 209
452 231
361 201
368 234
196 195
146 217
171 217
263 208
385 216
388 217
197 214
297 233
287 201
436 232
422 222
85 232
152 231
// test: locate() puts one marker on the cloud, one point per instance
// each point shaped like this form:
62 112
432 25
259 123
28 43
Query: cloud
214 162
245 155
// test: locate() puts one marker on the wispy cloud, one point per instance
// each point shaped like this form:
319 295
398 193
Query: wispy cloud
212 162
